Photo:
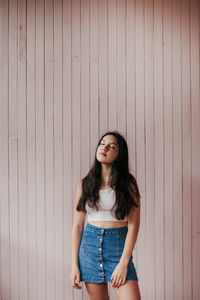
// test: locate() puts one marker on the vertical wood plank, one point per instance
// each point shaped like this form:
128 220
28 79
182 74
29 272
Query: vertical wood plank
112 64
168 148
49 153
130 86
22 151
31 183
94 78
58 154
103 71
67 144
195 123
85 97
40 149
159 192
121 68
177 152
4 152
13 151
150 149
186 149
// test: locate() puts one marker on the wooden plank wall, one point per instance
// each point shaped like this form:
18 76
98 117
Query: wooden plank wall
71 70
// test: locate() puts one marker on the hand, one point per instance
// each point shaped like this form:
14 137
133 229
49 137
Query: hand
75 278
119 275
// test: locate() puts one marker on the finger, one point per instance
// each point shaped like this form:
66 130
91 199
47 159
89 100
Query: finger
119 282
78 279
72 280
123 281
74 284
115 279
78 287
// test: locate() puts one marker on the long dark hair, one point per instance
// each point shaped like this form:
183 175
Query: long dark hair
123 182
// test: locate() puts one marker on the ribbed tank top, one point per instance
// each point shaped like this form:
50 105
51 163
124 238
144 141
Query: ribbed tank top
106 201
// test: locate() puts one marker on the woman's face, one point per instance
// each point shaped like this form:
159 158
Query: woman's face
108 150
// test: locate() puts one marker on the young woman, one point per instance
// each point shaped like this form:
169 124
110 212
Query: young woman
110 198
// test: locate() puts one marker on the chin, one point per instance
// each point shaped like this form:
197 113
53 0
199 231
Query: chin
101 160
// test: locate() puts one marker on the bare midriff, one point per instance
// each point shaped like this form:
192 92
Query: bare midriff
108 224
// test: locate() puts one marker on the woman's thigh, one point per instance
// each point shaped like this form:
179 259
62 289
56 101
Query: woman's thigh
129 291
97 291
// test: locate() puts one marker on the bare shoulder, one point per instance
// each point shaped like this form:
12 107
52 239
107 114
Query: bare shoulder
78 191
136 194
79 215
79 186
134 215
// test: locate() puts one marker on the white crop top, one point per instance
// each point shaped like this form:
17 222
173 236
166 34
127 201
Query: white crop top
106 201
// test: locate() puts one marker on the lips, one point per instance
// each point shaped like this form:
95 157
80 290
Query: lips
102 154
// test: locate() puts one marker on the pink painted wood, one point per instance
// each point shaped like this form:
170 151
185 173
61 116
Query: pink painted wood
71 70
40 148
168 149
50 200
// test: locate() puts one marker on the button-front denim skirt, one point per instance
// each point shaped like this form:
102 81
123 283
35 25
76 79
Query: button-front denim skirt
99 253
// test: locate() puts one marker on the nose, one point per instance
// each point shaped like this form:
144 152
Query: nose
104 147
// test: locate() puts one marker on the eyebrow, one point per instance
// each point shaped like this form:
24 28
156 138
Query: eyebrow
110 143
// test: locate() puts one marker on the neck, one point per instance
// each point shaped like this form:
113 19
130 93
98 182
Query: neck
105 173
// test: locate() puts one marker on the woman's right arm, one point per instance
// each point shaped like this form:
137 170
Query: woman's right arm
77 230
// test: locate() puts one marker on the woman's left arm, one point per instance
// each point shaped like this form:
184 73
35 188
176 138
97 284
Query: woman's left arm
120 272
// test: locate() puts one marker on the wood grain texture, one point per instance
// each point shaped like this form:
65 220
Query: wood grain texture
40 147
71 70
5 283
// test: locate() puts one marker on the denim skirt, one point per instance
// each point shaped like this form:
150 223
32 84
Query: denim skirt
100 252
